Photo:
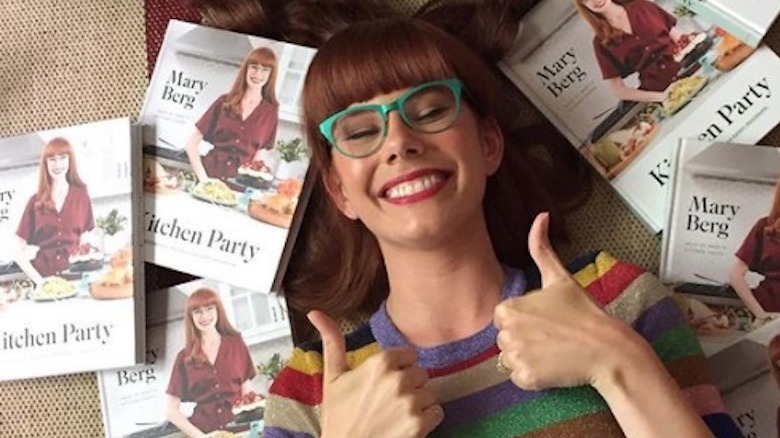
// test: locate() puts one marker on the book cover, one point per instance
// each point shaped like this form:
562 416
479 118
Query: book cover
748 21
71 270
714 244
219 397
747 374
623 96
225 162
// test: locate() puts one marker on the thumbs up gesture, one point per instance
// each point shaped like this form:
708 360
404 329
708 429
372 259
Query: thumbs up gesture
556 336
385 396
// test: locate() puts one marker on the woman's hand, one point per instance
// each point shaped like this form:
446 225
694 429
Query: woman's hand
557 336
385 396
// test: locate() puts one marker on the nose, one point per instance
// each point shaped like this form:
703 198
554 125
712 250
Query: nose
401 141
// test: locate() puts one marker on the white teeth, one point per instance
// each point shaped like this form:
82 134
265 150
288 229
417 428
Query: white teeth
413 187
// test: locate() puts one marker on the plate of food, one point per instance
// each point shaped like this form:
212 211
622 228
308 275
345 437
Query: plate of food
85 258
215 192
273 208
53 289
158 180
248 407
681 92
117 281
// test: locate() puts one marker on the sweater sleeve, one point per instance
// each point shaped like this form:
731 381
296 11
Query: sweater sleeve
640 299
292 407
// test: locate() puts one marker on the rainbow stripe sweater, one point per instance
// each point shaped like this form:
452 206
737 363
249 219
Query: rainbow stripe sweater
479 401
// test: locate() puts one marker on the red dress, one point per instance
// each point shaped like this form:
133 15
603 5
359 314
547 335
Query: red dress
762 255
213 387
236 140
649 51
56 233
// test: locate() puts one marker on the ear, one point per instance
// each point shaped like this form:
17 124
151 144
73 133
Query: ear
492 142
332 183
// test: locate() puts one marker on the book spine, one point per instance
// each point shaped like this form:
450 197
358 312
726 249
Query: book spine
731 23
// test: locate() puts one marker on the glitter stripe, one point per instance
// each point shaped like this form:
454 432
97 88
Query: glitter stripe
287 418
310 362
676 344
601 263
276 432
298 386
659 319
484 403
601 424
554 406
705 399
485 355
690 371
638 296
477 378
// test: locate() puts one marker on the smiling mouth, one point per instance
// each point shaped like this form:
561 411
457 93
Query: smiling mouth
414 187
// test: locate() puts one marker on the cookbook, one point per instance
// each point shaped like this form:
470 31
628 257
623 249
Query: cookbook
223 394
747 374
748 21
718 239
623 96
71 265
225 163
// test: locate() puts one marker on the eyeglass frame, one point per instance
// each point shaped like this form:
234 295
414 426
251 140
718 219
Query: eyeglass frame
326 126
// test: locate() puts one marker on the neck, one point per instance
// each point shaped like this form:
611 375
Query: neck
209 336
614 13
253 95
431 289
59 183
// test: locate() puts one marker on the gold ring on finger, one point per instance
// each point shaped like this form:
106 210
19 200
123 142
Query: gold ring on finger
503 369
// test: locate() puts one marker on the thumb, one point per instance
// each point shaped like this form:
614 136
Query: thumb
550 267
334 349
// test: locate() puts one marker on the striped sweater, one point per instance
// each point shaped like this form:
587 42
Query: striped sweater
479 401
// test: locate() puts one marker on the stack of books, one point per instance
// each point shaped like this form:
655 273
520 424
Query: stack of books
212 182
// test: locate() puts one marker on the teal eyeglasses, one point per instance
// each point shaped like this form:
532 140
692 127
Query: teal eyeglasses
358 131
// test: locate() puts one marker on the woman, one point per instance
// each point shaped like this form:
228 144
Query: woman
431 198
634 37
212 370
241 123
57 216
760 253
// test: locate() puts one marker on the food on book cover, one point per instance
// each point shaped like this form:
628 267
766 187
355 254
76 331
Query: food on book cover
183 380
748 20
117 280
662 65
67 213
224 135
717 247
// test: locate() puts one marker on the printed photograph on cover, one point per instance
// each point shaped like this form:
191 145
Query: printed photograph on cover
622 80
747 374
212 352
721 247
225 161
66 250
749 21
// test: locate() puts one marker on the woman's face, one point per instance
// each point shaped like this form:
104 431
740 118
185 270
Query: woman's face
257 75
418 188
57 165
597 6
205 317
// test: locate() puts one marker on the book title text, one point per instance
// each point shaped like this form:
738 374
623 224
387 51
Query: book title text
144 374
182 89
708 216
560 75
6 196
70 333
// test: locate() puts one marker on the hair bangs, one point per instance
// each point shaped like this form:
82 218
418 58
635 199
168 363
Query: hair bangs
200 298
57 146
263 56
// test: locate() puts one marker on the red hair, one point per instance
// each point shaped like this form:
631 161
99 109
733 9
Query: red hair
605 33
193 352
772 228
260 56
55 146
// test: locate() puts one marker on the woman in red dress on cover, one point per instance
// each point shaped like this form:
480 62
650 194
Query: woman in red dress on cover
212 370
760 252
241 123
634 37
57 215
